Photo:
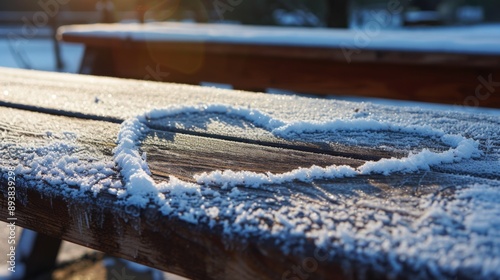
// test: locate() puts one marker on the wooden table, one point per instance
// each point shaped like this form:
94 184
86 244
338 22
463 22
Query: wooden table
58 133
444 65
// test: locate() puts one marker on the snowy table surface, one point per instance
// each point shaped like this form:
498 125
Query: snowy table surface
482 39
442 65
219 184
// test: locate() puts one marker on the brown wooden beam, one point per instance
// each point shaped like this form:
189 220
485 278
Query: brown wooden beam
453 84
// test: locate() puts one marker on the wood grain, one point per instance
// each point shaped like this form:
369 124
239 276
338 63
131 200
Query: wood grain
184 156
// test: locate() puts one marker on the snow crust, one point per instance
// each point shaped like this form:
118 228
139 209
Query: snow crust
448 237
56 165
432 235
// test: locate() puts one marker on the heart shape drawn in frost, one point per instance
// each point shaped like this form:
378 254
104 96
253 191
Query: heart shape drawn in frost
140 186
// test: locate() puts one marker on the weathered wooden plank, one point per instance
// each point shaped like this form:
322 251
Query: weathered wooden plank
169 241
105 99
101 224
89 105
178 154
151 239
105 226
98 96
198 251
169 153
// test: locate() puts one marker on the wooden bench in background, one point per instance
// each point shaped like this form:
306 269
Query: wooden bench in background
432 65
83 113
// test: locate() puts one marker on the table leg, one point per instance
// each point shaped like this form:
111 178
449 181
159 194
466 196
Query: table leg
37 254
97 61
57 48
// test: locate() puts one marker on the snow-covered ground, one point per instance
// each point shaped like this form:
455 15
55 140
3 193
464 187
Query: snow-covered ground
18 51
39 54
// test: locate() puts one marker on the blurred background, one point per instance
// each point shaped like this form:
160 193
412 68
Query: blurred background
41 51
319 13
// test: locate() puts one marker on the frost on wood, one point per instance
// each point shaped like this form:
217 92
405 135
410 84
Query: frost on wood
440 234
135 171
58 164
366 230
